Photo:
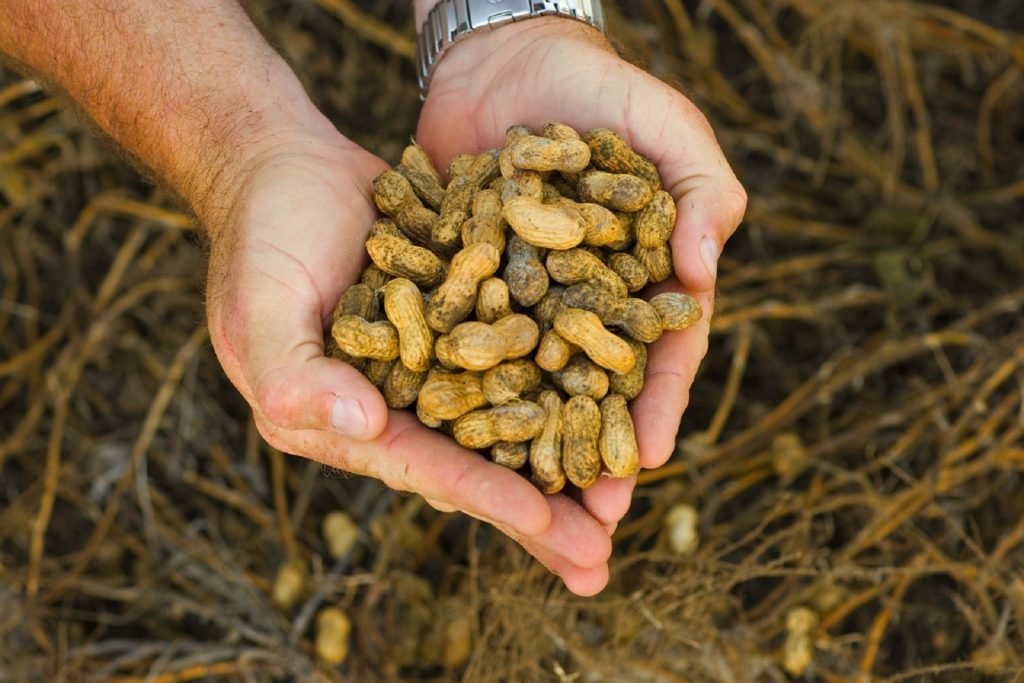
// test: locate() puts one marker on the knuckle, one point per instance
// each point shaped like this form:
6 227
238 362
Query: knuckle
281 403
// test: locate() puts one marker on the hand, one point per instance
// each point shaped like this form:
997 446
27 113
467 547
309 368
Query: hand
292 245
556 69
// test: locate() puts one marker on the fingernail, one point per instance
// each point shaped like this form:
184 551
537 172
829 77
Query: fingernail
709 255
347 417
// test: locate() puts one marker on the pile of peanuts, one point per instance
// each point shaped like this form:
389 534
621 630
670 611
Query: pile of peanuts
484 345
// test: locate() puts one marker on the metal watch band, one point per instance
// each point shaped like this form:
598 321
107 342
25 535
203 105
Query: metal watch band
449 20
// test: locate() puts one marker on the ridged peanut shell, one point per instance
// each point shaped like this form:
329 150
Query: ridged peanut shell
514 422
448 396
403 305
581 429
546 449
549 226
678 311
584 329
362 339
617 442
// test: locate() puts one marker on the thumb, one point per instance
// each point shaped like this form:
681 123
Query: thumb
267 328
308 391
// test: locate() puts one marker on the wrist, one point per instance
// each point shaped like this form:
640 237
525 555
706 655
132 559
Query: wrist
480 57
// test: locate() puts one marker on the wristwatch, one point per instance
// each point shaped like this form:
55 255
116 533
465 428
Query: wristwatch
450 20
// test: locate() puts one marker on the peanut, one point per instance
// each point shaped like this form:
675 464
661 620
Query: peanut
399 257
455 298
544 154
677 311
479 346
510 455
584 329
549 226
427 419
359 300
546 449
609 152
581 377
510 380
581 430
403 305
519 334
525 275
402 386
415 158
486 224
638 318
549 192
631 383
617 441
559 131
374 278
619 191
333 628
657 261
654 224
545 310
361 339
449 396
603 227
459 165
579 265
515 421
391 192
459 196
426 186
630 270
553 352
518 182
492 300
377 371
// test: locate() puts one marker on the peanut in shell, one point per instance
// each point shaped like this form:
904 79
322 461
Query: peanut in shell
515 421
610 152
400 258
362 339
617 441
403 305
449 396
619 191
534 153
581 430
677 311
548 226
456 297
584 329
546 449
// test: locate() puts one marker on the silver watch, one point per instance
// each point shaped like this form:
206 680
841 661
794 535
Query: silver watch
449 20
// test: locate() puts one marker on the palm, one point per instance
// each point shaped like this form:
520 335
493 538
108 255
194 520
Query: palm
476 95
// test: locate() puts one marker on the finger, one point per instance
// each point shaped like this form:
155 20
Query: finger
582 581
707 215
671 367
608 500
410 457
576 548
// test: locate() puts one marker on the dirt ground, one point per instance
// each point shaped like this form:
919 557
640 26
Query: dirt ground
854 445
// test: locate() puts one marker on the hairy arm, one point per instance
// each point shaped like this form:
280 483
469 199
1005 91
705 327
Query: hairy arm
189 88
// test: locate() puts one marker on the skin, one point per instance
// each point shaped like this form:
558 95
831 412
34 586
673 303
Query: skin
206 106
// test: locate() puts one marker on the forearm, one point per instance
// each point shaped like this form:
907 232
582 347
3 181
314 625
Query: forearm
188 87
